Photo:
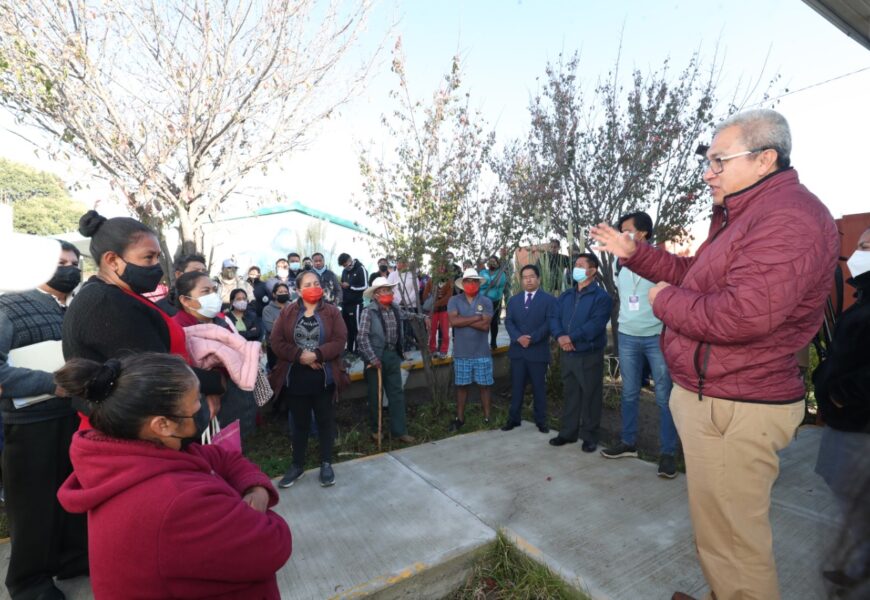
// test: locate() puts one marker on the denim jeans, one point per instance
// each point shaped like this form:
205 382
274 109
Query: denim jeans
632 350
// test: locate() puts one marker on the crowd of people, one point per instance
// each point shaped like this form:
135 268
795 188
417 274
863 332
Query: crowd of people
106 418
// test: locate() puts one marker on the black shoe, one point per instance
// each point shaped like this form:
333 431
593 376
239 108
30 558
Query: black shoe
620 450
327 475
543 429
455 425
291 476
51 593
560 441
667 466
509 426
589 446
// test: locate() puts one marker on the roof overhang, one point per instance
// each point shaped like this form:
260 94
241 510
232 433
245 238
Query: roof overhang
852 17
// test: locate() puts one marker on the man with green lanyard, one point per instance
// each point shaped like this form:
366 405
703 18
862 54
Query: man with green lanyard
639 332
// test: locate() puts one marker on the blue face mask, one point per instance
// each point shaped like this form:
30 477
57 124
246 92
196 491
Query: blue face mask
320 271
579 274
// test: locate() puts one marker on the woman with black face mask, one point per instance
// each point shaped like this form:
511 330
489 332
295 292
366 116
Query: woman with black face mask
280 298
110 318
166 518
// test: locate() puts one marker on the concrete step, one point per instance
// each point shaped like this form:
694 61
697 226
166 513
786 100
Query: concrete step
409 524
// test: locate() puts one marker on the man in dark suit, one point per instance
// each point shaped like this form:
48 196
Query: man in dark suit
528 325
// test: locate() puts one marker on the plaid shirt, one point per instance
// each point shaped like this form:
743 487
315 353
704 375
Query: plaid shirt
391 331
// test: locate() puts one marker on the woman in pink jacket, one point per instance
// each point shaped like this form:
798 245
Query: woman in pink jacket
166 518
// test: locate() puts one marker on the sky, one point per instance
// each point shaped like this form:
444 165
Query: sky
505 45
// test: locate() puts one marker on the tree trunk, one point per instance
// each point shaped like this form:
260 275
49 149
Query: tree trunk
187 230
608 275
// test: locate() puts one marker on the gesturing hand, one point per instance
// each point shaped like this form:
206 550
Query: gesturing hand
610 240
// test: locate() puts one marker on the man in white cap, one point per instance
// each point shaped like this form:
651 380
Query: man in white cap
230 280
470 314
379 341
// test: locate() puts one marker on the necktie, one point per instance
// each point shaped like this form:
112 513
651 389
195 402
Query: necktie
528 299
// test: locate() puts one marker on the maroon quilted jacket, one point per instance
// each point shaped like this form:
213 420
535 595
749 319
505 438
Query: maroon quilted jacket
751 297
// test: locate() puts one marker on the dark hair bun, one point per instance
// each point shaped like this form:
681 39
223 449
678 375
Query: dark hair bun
103 381
90 223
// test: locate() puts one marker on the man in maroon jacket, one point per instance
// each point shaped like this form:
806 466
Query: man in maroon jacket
734 316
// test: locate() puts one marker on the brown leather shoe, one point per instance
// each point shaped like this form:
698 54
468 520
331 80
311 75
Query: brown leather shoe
407 439
682 596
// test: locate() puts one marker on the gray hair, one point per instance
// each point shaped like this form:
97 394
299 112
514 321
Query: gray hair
762 128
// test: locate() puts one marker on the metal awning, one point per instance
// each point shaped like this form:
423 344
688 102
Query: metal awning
852 17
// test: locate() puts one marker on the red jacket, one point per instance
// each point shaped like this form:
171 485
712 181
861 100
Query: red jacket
753 295
164 523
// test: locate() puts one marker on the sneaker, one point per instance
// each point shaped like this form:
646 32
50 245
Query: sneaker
290 477
455 425
667 466
486 420
327 475
620 450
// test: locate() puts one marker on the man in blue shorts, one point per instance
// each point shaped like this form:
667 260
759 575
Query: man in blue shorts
470 313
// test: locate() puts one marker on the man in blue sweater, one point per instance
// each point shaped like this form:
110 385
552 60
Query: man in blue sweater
580 326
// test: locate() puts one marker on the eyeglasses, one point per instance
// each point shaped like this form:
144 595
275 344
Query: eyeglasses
181 416
717 164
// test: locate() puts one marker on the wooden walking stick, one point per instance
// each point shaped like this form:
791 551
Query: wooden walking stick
380 407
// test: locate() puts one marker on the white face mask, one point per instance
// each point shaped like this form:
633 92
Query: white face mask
283 273
209 305
240 305
859 262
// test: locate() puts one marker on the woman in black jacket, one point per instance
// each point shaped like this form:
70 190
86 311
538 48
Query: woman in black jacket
842 390
109 317
200 305
243 317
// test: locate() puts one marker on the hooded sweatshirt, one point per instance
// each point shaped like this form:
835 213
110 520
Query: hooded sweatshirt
165 523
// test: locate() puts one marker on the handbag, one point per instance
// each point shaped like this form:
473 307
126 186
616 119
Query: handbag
262 390
229 438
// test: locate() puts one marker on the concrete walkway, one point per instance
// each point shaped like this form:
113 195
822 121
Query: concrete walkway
410 523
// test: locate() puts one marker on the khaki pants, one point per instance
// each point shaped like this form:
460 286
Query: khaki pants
731 464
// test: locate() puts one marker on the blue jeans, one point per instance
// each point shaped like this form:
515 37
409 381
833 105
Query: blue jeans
632 350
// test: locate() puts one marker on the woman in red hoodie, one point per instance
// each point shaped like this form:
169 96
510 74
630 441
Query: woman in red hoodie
166 518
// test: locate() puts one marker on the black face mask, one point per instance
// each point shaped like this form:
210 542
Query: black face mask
201 421
282 298
65 279
383 268
141 280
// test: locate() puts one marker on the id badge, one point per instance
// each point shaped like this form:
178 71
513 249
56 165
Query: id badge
633 303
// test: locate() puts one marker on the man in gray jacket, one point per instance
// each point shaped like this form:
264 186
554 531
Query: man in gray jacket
38 424
380 344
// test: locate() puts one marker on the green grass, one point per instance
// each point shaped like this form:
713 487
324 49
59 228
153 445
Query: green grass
270 448
506 573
